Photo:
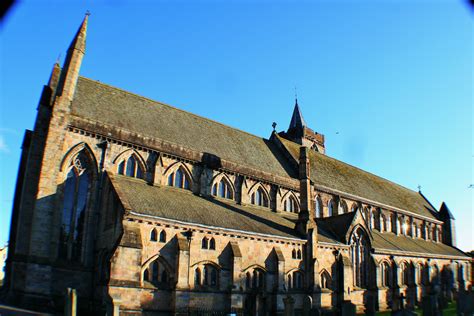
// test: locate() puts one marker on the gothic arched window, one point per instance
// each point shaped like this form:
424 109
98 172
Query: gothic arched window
223 189
130 167
331 208
162 236
386 274
319 207
297 280
383 223
76 194
153 235
212 244
205 243
291 205
259 198
157 274
210 276
179 179
325 280
343 207
360 257
405 273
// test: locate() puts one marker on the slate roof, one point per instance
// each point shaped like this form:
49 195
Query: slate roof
182 205
101 103
337 175
339 225
390 241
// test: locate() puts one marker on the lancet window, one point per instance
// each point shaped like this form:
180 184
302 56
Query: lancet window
130 167
179 179
223 189
360 257
259 197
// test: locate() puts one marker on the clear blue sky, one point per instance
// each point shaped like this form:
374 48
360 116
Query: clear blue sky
388 82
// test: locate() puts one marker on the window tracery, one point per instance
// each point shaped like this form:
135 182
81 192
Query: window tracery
75 200
360 257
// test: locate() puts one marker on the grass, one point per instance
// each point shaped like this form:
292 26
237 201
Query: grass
448 311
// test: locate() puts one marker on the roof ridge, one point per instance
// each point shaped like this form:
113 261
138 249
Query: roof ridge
365 171
170 106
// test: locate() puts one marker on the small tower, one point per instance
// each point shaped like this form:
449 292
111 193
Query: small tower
300 133
449 227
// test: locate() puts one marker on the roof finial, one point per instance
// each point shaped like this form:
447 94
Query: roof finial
58 60
419 188
274 125
296 96
88 12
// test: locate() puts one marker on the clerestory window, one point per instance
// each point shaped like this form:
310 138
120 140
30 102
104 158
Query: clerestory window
130 167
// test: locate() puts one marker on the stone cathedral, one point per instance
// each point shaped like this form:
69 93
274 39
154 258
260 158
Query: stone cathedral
143 208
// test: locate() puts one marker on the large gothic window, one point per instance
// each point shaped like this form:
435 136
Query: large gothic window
76 193
360 258
130 167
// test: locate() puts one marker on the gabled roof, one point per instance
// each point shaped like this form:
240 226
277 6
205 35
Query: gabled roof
184 206
337 175
341 225
103 104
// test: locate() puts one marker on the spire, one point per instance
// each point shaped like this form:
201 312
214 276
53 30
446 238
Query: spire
79 41
297 120
73 61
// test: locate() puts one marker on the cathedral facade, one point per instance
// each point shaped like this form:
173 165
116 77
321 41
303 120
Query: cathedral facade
143 208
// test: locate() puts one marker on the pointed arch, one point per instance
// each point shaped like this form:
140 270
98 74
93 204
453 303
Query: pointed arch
178 175
73 151
204 262
77 180
359 251
130 163
162 236
254 266
157 271
290 202
332 207
354 207
325 279
318 207
386 273
343 206
153 235
212 244
223 187
259 195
